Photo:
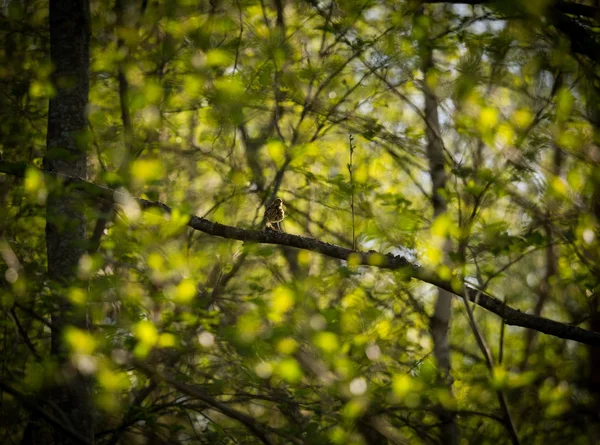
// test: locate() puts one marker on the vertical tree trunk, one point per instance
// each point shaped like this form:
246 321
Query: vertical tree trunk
440 322
65 219
67 123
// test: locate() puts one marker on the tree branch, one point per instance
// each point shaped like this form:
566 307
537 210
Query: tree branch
583 41
33 406
198 393
511 316
591 12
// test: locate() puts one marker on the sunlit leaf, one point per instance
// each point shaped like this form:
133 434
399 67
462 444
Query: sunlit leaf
327 342
289 370
147 170
186 291
146 332
79 341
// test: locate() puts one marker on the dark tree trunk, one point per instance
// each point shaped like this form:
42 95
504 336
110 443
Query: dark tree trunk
67 123
65 219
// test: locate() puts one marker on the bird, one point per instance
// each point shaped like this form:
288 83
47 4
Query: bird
274 214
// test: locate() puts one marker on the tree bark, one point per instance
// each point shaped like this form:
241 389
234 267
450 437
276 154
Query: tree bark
65 219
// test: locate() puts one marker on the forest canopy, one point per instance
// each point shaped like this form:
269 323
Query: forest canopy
299 222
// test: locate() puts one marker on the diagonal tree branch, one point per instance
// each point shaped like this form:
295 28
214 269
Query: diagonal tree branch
511 316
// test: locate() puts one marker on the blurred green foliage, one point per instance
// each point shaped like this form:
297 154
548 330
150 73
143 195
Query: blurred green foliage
231 107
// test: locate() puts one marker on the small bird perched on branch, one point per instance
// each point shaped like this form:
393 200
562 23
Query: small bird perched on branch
274 214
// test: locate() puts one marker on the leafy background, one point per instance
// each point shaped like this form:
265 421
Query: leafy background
215 108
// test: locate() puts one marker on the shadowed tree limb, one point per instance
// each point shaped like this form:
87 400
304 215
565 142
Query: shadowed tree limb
583 40
511 316
572 8
198 393
34 407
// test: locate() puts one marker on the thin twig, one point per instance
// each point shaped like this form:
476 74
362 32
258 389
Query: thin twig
23 334
509 423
